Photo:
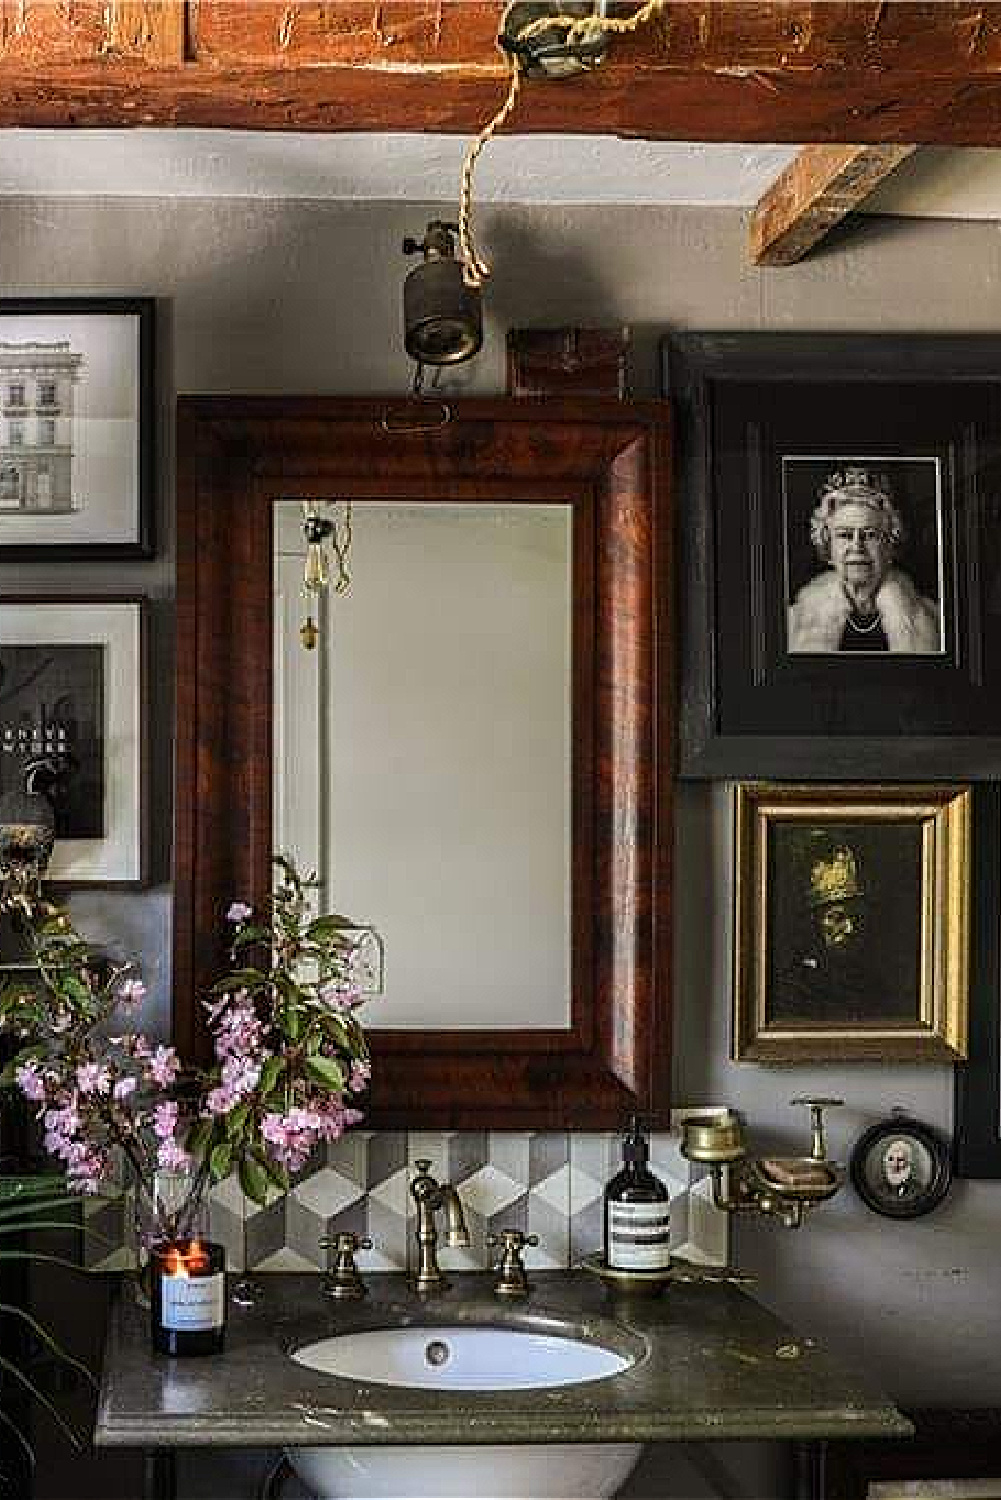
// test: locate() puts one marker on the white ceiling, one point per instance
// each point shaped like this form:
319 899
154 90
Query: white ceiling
566 169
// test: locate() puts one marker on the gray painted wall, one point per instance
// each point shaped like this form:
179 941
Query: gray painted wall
274 297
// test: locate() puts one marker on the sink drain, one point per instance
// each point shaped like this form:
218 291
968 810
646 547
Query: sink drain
437 1353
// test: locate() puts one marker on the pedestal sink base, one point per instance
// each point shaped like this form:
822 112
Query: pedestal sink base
585 1471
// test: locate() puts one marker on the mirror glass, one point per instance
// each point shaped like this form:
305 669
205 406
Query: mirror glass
423 753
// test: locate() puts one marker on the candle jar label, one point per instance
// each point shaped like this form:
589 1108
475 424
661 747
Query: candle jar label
192 1304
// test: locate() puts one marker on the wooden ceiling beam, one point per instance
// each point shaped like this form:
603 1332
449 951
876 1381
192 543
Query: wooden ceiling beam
819 188
883 71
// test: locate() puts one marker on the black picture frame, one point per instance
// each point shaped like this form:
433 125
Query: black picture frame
109 845
977 1143
901 1168
77 428
743 404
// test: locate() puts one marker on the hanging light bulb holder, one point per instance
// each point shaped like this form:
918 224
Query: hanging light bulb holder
555 40
316 529
442 316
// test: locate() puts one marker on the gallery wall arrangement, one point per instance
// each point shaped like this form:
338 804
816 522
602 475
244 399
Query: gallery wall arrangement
841 663
77 479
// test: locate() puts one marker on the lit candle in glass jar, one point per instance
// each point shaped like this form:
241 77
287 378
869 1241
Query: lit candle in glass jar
188 1297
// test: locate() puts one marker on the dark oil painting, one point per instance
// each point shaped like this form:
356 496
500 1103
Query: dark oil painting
844 923
52 705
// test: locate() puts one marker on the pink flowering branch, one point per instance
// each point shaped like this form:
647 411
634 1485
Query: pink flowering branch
292 1063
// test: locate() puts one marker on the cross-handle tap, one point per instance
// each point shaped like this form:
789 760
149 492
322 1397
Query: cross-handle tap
513 1280
342 1280
430 1196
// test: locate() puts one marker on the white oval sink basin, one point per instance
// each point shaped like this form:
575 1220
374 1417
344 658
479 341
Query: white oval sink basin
462 1358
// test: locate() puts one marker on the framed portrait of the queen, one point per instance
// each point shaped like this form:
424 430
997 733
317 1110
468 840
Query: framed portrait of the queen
839 502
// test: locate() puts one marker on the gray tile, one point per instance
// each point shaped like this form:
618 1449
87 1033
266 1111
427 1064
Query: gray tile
587 1232
553 1231
548 1151
265 1233
509 1152
387 1154
304 1230
467 1153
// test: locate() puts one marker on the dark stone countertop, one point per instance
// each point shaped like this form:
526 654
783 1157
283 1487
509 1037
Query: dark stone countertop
712 1363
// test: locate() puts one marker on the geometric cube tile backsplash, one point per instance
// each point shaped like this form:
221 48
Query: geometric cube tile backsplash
546 1183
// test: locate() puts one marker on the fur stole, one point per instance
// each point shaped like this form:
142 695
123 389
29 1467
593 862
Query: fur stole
820 612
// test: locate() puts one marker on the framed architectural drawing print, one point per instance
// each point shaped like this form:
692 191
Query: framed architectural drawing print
76 428
839 507
71 693
852 923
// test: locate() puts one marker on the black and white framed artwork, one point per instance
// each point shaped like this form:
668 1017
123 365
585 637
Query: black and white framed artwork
864 558
838 507
71 691
76 428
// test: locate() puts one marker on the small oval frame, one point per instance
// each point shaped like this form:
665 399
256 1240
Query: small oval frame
923 1167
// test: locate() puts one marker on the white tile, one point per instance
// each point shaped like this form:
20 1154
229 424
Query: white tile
488 1191
327 1192
285 1260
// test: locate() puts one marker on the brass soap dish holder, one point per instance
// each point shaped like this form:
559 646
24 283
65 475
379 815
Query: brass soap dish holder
781 1187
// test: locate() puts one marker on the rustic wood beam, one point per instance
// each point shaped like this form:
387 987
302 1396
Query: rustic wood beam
883 71
819 188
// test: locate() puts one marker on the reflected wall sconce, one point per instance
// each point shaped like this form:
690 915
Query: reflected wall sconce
326 528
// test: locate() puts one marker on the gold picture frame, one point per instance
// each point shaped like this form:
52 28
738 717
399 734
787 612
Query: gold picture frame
852 923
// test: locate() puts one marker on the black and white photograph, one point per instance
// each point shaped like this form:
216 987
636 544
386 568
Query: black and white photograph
864 557
71 716
841 555
76 380
52 731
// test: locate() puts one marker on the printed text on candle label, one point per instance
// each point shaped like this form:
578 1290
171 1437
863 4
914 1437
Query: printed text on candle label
193 1304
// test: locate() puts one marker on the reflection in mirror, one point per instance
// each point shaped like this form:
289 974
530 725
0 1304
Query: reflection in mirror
422 753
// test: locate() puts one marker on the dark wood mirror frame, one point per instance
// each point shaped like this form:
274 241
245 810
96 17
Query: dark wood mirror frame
236 456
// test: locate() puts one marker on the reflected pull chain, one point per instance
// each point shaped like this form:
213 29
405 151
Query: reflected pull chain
326 527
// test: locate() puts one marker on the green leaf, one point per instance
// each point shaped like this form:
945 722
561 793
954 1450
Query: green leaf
221 1161
275 1171
240 979
254 1180
331 925
292 1022
270 1074
73 987
236 1121
199 1137
326 1072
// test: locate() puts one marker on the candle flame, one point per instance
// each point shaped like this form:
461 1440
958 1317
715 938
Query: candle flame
193 1261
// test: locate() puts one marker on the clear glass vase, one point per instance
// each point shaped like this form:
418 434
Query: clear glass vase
168 1206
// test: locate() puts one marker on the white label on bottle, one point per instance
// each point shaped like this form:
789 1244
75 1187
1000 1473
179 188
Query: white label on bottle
639 1236
193 1304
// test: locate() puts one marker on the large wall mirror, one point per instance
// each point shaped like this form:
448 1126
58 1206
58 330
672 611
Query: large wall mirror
475 757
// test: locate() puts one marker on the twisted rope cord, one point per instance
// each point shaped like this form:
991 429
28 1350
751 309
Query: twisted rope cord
476 270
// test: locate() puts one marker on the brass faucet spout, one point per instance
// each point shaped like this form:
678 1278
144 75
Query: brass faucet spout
430 1196
456 1232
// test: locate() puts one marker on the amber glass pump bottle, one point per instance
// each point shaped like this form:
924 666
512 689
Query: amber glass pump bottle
637 1211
